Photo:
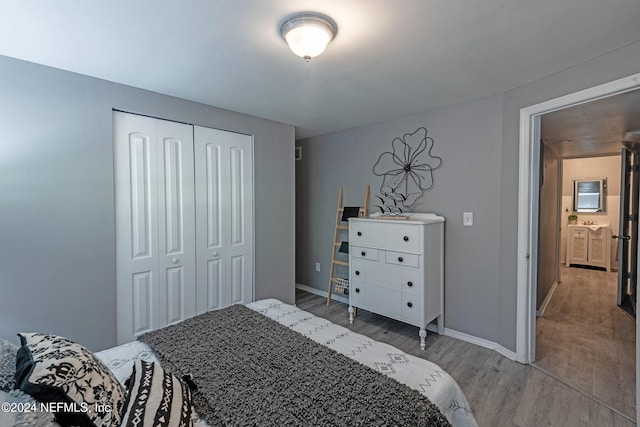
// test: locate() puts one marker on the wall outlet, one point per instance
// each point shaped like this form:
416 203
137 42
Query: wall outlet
317 266
467 219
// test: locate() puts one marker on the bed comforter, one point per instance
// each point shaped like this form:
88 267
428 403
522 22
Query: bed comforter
419 374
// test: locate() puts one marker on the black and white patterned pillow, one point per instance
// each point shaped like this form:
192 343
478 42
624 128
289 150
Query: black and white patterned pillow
156 398
55 369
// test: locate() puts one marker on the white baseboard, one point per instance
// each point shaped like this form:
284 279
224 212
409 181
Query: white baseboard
322 293
430 327
547 299
481 342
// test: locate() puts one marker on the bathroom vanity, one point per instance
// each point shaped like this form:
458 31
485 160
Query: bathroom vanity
589 245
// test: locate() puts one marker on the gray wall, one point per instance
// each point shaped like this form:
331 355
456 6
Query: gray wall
467 138
478 142
57 258
548 226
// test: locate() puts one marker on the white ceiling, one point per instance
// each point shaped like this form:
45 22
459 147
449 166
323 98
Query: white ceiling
389 58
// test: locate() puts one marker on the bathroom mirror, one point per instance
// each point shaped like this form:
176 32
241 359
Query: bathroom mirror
589 195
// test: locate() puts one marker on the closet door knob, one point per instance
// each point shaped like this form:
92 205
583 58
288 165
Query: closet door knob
409 304
363 253
409 284
175 261
405 238
357 273
400 259
357 290
359 233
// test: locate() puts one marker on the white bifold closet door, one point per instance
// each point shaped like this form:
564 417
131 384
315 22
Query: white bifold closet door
224 212
184 221
155 223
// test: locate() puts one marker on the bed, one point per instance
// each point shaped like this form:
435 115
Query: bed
428 379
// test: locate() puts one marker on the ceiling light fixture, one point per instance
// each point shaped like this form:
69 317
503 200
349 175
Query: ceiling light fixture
308 34
631 140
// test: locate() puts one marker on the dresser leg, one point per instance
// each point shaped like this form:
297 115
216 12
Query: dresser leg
350 314
423 335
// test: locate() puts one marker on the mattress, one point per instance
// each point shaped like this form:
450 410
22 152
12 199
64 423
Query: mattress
420 374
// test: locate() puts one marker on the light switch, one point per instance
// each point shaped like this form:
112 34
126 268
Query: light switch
467 219
317 266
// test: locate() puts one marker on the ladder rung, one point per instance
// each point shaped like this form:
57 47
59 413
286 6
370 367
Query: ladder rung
337 261
342 227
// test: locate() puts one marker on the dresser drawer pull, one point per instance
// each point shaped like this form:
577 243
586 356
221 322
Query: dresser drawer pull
357 273
357 290
409 304
400 259
409 284
359 233
363 253
405 238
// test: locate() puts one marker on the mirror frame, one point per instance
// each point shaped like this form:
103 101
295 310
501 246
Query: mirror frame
602 205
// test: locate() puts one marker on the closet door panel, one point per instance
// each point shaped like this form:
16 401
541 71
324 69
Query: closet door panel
240 223
139 152
214 284
135 168
213 194
175 295
174 199
237 280
210 271
155 223
236 161
224 217
176 209
142 299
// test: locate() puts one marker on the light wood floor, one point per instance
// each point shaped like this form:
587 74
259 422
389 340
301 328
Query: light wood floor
587 340
501 392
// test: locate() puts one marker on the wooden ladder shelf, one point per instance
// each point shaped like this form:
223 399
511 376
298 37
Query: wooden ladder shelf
342 226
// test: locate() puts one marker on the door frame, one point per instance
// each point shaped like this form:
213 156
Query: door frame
528 201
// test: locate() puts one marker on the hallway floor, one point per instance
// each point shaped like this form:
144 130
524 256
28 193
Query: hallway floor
587 340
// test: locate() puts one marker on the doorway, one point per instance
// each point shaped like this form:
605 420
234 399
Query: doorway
529 185
582 336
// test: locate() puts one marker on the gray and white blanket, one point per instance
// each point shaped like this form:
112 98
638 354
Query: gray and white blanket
251 370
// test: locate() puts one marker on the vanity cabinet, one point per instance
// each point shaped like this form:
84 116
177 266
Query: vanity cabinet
589 245
396 269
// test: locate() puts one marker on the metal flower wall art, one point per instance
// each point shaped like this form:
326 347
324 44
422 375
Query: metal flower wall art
406 171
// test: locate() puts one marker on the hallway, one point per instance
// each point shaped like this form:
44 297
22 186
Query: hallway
586 340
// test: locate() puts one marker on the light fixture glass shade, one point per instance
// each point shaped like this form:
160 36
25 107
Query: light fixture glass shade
308 34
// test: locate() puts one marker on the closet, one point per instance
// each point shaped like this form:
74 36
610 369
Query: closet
184 221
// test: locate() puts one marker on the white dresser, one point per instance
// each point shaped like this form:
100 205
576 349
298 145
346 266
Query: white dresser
396 269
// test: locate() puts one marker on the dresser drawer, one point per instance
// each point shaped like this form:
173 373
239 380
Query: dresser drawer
411 309
356 293
377 299
364 253
412 281
377 273
402 259
395 237
382 300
